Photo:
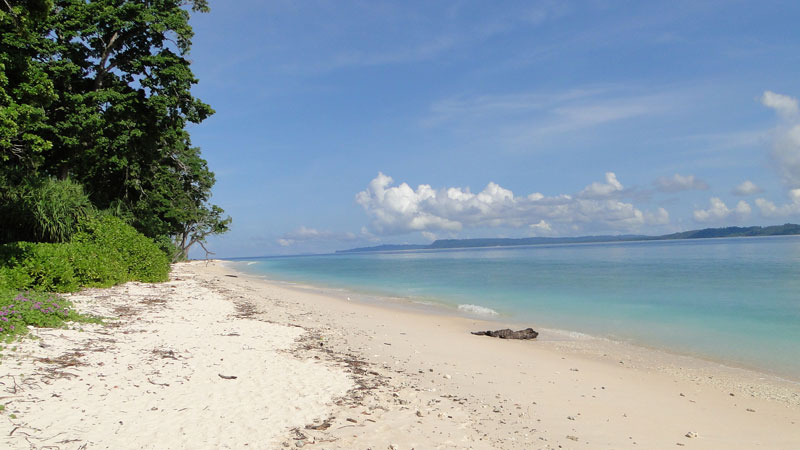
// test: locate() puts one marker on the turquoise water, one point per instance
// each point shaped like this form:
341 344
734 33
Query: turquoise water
735 300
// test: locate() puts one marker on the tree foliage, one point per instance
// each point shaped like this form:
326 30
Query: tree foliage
99 92
25 87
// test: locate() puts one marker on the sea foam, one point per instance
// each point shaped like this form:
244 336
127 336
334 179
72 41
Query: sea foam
476 309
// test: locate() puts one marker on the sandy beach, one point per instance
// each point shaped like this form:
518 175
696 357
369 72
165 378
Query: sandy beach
220 359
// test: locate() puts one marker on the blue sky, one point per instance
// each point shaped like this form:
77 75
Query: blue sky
344 123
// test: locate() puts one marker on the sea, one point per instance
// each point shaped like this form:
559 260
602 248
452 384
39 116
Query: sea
730 300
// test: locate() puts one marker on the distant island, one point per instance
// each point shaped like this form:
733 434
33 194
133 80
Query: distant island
705 233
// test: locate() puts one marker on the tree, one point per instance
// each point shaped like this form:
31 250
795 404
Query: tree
99 92
179 194
25 88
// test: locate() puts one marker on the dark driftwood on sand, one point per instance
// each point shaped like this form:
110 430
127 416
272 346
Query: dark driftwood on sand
507 333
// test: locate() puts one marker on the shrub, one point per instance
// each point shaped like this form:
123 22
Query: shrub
106 251
19 311
44 210
97 266
139 256
39 266
58 206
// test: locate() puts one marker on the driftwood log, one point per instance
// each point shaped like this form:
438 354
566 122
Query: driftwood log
527 333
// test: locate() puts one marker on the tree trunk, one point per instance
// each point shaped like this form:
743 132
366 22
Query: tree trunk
101 67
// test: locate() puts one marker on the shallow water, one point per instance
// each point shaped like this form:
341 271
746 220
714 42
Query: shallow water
735 300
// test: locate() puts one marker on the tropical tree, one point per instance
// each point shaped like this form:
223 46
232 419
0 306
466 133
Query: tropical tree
25 88
99 92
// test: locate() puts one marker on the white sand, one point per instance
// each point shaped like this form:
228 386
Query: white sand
418 381
153 382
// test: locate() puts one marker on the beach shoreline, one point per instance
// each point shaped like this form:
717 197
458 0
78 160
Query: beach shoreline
651 356
614 359
367 375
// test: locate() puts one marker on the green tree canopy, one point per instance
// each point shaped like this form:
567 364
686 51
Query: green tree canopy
99 92
25 87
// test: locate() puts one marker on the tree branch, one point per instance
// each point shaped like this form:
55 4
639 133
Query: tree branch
206 250
102 70
10 10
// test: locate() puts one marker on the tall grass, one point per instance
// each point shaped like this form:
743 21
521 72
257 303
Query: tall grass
58 206
43 210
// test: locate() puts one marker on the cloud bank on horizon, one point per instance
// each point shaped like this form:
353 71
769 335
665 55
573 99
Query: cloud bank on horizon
602 206
401 209
785 155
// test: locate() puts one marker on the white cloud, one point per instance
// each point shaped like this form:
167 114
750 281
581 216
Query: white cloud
770 210
747 188
678 182
785 154
589 115
525 118
785 106
719 211
304 234
402 209
600 190
429 236
541 228
786 139
519 104
660 217
710 143
408 53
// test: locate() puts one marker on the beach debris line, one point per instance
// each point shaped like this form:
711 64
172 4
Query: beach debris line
507 333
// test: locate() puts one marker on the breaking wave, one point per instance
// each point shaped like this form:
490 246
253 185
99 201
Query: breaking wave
475 309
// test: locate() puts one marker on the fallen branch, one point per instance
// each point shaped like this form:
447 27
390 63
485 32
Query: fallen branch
507 333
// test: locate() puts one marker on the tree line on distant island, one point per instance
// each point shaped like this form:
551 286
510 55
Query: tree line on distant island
99 180
775 230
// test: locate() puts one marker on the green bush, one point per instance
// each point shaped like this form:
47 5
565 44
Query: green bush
139 256
97 266
39 266
106 251
18 311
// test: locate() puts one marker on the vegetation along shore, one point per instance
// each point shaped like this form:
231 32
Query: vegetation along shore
99 181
